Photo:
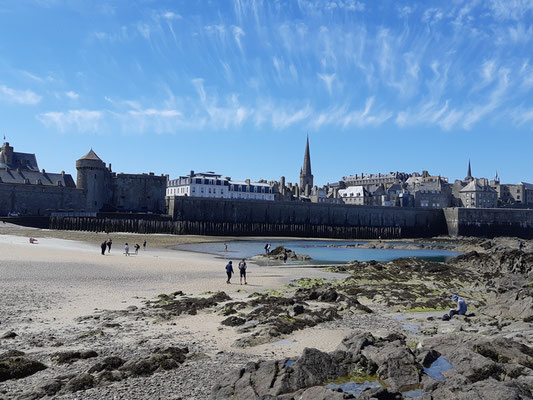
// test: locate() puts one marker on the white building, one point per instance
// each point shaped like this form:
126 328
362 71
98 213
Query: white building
209 184
355 195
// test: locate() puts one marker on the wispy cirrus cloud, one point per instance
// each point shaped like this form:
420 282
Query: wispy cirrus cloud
72 120
11 95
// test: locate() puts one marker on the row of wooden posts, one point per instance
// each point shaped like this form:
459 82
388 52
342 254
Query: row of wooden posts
167 226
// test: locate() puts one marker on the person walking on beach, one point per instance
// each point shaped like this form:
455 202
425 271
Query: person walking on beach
229 271
127 249
242 271
137 247
103 247
285 256
520 245
266 248
109 243
144 245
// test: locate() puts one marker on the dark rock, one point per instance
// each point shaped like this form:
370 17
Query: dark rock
298 309
109 376
188 305
427 357
13 365
9 335
70 356
233 321
107 364
162 359
80 382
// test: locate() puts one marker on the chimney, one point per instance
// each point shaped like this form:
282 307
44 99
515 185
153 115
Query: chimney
109 167
192 172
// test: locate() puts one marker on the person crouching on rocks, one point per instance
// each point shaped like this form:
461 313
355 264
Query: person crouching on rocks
229 271
461 308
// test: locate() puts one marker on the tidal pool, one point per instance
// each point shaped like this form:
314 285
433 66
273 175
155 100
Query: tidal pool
321 251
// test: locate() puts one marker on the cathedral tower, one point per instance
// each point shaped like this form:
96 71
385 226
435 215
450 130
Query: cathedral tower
306 177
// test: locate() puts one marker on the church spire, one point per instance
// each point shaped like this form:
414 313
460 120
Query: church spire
469 173
306 170
306 177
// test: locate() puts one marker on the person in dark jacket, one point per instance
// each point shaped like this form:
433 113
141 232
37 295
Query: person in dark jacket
229 271
103 246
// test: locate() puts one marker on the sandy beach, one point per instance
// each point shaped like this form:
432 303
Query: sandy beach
46 287
164 324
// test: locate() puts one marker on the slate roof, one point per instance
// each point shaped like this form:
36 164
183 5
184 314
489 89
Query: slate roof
20 160
475 186
35 178
91 155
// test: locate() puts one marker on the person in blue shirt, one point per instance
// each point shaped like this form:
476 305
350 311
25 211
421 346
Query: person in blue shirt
461 306
229 271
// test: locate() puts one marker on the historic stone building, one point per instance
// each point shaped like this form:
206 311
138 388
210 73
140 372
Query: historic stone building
106 190
27 191
478 194
209 184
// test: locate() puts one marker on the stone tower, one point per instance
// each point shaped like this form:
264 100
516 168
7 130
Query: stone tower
92 175
306 177
469 177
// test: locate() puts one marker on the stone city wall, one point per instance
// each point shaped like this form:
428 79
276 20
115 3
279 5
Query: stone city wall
38 199
489 222
306 219
137 192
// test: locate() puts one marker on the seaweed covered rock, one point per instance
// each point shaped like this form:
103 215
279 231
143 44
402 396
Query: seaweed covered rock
14 365
188 305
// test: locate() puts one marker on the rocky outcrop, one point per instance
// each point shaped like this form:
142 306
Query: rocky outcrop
478 369
281 253
15 365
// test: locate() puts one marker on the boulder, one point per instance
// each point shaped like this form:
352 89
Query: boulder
80 382
70 356
14 365
107 364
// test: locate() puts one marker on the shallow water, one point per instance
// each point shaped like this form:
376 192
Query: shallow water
319 250
437 368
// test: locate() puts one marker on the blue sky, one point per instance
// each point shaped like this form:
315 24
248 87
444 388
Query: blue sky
235 86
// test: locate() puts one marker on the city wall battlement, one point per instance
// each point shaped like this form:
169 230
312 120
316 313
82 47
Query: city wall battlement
231 217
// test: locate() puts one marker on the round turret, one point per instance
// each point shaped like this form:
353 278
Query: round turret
91 178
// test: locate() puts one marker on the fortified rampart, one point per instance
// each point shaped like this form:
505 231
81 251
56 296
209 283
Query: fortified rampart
242 217
489 222
231 217
38 199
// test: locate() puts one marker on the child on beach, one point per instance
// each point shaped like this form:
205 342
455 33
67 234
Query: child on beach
137 247
126 249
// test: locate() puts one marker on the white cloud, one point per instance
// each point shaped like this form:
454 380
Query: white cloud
72 95
152 112
72 120
18 96
144 30
510 9
282 119
171 15
238 33
199 85
328 80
